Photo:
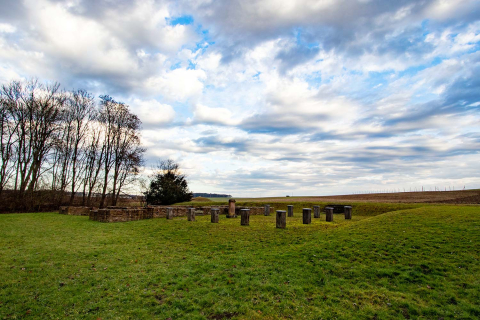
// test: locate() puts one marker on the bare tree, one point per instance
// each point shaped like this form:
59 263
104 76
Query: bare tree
93 162
56 140
36 111
108 119
81 113
121 145
8 136
44 107
129 169
127 150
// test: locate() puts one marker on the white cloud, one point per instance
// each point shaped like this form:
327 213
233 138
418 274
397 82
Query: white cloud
7 28
179 84
447 9
222 116
83 44
152 112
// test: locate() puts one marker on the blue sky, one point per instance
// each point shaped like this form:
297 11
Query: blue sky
268 98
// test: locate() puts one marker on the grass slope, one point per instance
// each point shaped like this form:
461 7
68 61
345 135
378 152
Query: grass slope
417 263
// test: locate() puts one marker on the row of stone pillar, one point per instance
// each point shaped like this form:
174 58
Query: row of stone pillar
316 212
307 215
281 217
191 214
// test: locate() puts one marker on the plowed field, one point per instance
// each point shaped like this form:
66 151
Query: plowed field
453 197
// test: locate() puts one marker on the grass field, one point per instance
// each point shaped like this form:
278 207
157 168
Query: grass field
416 263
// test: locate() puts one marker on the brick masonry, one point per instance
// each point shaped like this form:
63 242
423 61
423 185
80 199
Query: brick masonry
119 215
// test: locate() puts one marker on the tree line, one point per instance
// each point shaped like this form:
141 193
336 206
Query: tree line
66 143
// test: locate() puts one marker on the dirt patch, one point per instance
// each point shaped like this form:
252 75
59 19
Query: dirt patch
466 200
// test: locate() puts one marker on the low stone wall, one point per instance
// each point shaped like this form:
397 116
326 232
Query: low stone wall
75 211
119 215
161 211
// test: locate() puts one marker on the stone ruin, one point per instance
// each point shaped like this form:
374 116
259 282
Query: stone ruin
123 214
119 214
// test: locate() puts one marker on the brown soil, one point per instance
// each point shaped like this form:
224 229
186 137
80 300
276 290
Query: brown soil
455 197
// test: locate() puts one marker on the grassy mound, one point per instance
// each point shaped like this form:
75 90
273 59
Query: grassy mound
417 263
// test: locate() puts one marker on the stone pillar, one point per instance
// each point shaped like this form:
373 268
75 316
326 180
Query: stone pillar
348 212
231 208
169 213
281 219
329 212
245 217
307 215
215 212
316 211
191 214
290 210
267 210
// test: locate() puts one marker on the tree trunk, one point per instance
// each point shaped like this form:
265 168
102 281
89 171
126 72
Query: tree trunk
104 191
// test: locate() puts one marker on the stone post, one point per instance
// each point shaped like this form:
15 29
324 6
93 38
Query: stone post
316 211
169 213
191 214
267 210
348 212
290 210
281 219
214 212
329 212
307 215
245 217
231 208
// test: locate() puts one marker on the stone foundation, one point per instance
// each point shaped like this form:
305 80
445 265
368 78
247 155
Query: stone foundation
119 215
75 211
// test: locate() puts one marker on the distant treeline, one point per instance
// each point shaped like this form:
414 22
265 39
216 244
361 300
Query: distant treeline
64 142
211 195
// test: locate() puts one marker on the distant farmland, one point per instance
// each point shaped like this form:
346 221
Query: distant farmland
453 197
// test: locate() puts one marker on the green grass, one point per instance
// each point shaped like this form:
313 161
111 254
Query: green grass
416 263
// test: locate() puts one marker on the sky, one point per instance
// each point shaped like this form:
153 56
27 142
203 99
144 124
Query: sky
274 97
